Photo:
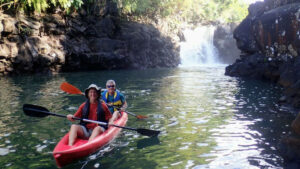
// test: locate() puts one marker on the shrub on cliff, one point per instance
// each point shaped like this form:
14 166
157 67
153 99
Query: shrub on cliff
39 5
193 11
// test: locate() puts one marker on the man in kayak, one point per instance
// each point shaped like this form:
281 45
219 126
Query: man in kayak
92 109
114 99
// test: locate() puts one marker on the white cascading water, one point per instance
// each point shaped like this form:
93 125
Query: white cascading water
198 49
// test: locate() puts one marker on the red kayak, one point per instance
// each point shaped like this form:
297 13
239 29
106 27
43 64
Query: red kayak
65 154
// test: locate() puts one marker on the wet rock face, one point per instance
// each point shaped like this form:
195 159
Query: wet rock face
272 4
277 31
269 39
126 45
274 33
23 48
54 43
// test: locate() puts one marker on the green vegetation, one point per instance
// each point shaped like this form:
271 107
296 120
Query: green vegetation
191 11
39 5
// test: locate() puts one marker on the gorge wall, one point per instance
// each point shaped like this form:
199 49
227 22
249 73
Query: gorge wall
57 42
269 40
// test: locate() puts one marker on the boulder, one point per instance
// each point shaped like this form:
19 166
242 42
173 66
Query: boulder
9 26
4 51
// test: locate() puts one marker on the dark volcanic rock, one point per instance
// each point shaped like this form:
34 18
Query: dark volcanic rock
276 31
270 42
244 39
82 41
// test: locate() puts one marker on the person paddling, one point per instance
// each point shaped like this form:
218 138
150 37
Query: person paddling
92 109
114 99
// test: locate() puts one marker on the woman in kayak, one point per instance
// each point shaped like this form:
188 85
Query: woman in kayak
92 109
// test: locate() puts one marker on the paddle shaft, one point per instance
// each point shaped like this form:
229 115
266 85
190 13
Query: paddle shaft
137 116
39 111
85 120
131 113
119 109
103 123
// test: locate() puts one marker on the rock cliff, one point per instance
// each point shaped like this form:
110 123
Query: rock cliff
57 42
269 40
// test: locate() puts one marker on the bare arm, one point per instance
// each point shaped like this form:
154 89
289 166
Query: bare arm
124 106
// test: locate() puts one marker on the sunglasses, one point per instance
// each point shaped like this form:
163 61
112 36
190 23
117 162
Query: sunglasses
112 86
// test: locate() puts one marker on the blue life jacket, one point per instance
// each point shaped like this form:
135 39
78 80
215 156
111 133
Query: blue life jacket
86 111
117 103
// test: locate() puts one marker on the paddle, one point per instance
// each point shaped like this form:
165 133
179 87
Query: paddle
38 111
137 116
68 88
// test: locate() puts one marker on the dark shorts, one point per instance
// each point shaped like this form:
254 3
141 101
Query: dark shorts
88 132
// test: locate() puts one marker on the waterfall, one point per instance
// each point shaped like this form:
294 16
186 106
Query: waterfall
198 49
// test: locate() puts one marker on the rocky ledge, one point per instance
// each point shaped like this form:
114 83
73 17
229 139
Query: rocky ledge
56 42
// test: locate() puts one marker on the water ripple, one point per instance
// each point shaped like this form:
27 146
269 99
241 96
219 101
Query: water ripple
206 119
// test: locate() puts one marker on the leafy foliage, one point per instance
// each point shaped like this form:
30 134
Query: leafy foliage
39 5
187 10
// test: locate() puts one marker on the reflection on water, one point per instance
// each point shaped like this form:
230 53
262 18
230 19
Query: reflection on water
207 120
146 142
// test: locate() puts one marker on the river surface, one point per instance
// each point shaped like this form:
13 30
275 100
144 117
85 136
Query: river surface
206 119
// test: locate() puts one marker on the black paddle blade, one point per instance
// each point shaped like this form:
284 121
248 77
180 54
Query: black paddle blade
35 111
146 132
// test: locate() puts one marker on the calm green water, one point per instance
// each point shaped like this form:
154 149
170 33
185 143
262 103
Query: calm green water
207 120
